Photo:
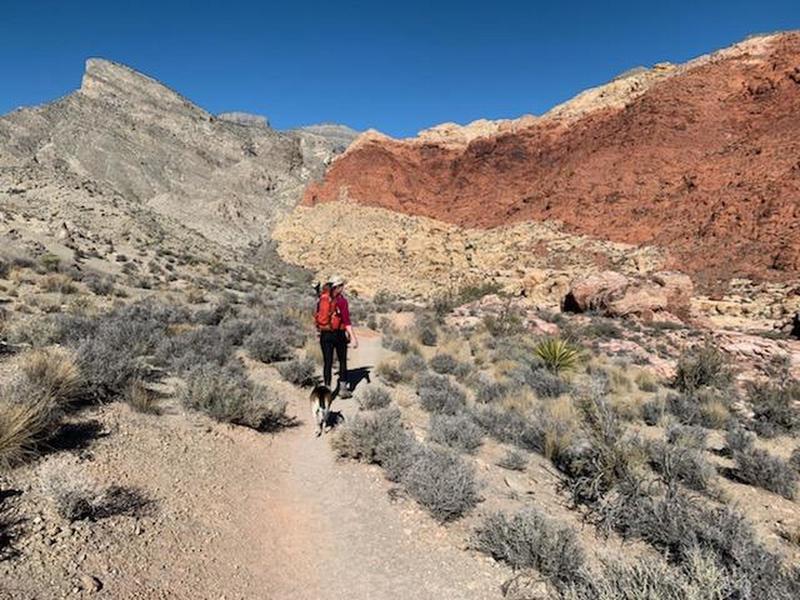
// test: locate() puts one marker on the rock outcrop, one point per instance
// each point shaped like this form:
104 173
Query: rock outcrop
125 134
699 159
615 295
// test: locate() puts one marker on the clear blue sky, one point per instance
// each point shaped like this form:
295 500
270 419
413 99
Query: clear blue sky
396 66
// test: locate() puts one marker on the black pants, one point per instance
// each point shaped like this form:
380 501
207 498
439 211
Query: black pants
330 341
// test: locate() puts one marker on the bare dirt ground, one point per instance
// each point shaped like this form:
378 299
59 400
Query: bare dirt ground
238 514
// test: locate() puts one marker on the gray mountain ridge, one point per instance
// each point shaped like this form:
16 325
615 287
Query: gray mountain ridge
126 134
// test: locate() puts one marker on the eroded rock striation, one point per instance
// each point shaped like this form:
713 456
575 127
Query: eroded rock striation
699 159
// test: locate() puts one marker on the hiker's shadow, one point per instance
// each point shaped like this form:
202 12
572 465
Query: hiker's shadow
356 376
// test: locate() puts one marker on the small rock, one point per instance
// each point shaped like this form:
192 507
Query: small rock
90 583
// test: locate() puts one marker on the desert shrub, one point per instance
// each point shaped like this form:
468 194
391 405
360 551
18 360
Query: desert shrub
267 343
373 398
190 347
141 398
459 432
227 395
391 373
546 384
443 363
774 407
300 372
513 460
738 439
489 391
50 263
652 578
54 371
653 411
399 344
680 459
676 524
557 355
794 459
75 495
428 336
706 407
441 482
703 366
446 301
438 395
646 382
58 283
412 365
508 322
114 349
5 269
529 539
376 437
602 456
759 468
510 427
24 423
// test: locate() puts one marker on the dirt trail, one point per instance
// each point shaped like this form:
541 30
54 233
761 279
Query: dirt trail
326 529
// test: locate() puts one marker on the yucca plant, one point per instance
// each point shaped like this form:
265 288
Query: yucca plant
557 355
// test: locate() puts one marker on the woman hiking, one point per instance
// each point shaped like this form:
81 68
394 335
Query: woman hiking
335 333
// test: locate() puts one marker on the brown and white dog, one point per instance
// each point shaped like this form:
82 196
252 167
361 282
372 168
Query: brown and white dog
321 399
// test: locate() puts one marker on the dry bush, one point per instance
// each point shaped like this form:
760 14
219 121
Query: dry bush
441 482
794 459
759 468
774 407
513 460
438 395
646 382
703 366
676 524
459 432
374 437
267 343
529 539
68 486
602 456
707 407
373 398
443 363
300 372
489 390
227 395
54 371
390 372
58 283
75 495
23 425
681 458
142 399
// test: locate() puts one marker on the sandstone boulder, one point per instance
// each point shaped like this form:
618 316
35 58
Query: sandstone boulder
615 295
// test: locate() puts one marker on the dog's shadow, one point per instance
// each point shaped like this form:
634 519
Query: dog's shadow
335 418
356 376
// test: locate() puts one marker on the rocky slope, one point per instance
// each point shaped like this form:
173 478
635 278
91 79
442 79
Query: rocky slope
700 160
127 135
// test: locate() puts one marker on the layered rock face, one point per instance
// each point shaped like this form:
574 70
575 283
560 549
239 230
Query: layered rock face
128 135
700 160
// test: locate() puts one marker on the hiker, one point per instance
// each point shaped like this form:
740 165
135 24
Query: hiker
335 332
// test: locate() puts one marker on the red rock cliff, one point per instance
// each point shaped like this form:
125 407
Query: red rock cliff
704 162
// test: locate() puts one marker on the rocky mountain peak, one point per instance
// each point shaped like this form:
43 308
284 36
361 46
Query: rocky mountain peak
116 83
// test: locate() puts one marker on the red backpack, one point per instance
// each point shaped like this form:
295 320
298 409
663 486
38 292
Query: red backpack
327 317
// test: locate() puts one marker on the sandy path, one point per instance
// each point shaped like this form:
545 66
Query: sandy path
329 529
